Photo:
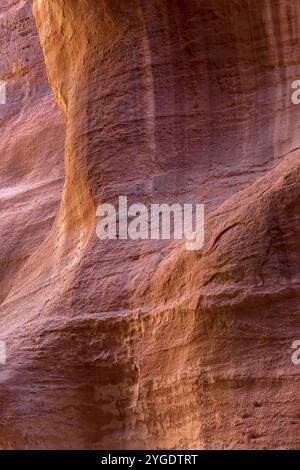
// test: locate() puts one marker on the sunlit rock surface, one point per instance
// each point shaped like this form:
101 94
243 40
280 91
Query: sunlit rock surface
141 344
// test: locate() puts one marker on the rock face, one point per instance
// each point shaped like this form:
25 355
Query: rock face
141 344
31 145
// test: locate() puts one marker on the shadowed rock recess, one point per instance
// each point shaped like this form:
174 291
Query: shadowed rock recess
141 344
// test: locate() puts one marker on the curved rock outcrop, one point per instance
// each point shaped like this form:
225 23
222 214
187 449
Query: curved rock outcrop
141 344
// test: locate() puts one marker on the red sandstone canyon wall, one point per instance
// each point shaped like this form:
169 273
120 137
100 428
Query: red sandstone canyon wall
125 344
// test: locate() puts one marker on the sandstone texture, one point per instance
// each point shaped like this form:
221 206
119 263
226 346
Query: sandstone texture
126 344
31 144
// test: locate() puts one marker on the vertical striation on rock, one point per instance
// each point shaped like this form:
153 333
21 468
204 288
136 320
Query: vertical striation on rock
140 344
31 144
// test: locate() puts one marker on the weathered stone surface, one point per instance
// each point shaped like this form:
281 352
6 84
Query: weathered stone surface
130 344
31 144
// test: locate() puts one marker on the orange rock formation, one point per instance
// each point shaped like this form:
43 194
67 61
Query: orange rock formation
141 344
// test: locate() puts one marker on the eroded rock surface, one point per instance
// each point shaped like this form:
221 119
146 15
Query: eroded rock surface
31 144
141 344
